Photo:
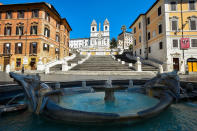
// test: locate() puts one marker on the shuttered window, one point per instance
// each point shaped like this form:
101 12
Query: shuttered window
194 42
160 28
193 24
173 6
174 25
6 48
18 48
8 30
33 48
175 43
33 30
192 5
19 30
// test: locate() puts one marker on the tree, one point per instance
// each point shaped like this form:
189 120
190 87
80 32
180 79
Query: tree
113 43
130 47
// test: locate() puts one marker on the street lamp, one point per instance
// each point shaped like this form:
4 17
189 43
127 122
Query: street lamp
123 28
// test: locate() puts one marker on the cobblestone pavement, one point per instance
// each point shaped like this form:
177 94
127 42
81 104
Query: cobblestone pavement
4 78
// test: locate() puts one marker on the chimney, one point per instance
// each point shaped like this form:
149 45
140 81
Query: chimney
1 3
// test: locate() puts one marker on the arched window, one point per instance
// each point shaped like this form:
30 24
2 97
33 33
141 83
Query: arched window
92 28
46 31
19 29
106 28
34 28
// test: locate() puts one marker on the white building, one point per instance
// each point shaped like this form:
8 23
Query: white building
79 43
98 38
98 43
126 38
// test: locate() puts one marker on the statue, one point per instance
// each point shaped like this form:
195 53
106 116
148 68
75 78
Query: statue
35 91
170 81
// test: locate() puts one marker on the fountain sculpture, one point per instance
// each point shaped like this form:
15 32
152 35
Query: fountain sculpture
42 99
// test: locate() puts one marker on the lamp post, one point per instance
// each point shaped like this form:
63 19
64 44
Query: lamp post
123 28
182 26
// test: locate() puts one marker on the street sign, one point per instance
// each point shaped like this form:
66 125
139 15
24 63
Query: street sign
25 60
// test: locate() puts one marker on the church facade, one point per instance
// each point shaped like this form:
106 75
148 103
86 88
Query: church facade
98 43
98 38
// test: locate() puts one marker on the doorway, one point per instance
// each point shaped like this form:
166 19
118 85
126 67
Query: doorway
6 62
192 65
176 64
33 63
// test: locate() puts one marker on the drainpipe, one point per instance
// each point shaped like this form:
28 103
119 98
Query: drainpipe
146 41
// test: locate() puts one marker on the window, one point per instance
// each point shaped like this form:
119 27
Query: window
47 16
193 24
140 25
173 6
34 29
9 15
18 62
33 48
57 25
175 43
135 53
18 48
160 28
106 28
6 49
57 38
174 25
160 45
194 42
19 30
135 42
192 5
56 50
140 51
0 15
20 14
46 32
8 30
92 28
148 20
35 13
106 41
45 47
140 39
149 49
148 35
159 11
154 33
135 30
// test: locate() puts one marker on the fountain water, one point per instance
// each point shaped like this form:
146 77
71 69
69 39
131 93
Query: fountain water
77 106
130 84
109 91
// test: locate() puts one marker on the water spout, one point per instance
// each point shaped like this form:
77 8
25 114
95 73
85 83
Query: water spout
84 84
130 84
109 91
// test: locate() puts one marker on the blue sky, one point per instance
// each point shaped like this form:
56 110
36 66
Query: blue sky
80 13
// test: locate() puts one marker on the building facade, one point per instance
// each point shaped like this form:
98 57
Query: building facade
126 38
98 38
161 32
97 44
79 43
31 32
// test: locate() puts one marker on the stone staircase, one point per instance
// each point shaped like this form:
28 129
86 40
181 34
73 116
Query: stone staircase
145 67
58 67
101 63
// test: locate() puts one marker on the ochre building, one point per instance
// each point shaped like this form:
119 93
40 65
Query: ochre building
31 32
158 34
